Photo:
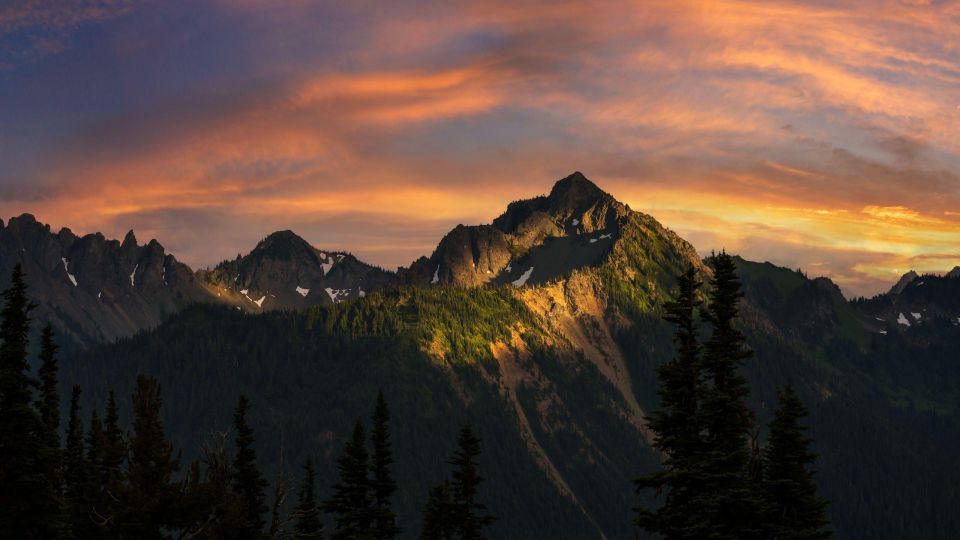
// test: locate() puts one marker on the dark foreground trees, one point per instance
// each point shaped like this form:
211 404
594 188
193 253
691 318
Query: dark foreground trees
110 481
453 509
794 509
712 484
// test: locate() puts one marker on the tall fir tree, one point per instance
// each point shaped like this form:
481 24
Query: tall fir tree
29 505
308 524
795 510
733 502
95 492
76 472
248 483
147 502
677 424
351 503
383 483
438 514
109 467
469 515
48 407
48 403
114 446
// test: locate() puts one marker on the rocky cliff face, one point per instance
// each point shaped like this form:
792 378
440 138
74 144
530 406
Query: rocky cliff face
915 300
534 241
285 272
96 289
93 289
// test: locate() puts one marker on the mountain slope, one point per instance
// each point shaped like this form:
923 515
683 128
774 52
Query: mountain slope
93 289
285 272
556 371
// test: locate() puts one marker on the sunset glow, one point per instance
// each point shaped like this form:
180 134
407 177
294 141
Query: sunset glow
814 136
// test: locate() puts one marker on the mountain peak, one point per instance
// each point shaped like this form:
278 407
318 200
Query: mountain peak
905 280
576 190
283 241
129 240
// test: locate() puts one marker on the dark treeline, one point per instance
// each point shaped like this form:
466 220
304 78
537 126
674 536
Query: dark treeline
716 481
106 481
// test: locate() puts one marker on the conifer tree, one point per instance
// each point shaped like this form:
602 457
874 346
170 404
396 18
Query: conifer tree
308 523
76 471
48 407
28 502
732 500
795 510
677 425
94 490
248 482
114 447
351 501
383 483
438 514
48 404
148 500
469 515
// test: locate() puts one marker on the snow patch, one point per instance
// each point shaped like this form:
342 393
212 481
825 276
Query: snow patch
361 293
593 240
259 302
884 332
916 316
903 320
523 278
575 222
509 267
326 266
66 268
436 276
879 319
99 294
302 292
919 284
244 291
335 294
608 235
164 275
133 276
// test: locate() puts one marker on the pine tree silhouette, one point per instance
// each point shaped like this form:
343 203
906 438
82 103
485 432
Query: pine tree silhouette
678 425
383 483
733 501
469 515
147 502
29 506
308 524
438 514
248 482
351 503
795 510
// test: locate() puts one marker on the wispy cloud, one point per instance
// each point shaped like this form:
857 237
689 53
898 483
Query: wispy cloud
806 133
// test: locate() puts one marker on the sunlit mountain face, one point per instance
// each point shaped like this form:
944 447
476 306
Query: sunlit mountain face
818 136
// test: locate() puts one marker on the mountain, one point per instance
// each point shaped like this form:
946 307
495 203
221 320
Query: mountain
285 272
541 239
544 330
93 289
915 300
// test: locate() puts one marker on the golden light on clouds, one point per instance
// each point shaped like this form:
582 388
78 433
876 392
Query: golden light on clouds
805 133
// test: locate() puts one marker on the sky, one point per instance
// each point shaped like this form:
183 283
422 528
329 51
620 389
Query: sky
816 135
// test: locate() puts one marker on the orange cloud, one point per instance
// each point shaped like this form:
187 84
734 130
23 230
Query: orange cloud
828 136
